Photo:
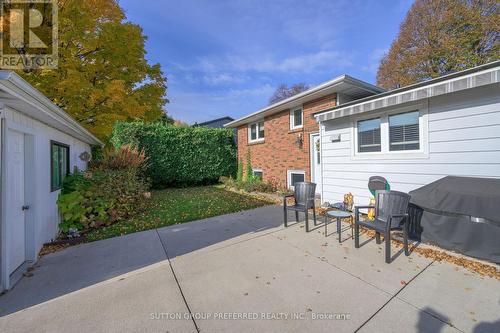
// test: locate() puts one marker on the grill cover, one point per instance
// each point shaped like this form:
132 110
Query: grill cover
461 214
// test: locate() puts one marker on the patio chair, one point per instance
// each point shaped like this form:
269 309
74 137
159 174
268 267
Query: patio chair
304 195
390 214
378 183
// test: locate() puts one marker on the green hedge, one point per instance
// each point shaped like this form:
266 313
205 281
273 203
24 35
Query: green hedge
180 156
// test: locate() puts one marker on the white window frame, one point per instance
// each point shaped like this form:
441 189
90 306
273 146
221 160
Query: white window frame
256 123
385 153
289 177
258 170
292 118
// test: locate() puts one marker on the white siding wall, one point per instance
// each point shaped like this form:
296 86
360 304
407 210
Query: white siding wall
45 208
464 140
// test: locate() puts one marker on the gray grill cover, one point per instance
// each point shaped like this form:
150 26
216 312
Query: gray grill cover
448 205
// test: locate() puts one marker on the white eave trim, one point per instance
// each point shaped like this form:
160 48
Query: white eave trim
280 106
17 87
466 81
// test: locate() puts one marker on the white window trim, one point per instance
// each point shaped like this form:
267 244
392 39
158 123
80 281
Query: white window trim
289 177
292 118
385 153
250 131
257 170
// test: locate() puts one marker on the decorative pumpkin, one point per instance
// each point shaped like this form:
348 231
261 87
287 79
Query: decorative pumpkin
371 211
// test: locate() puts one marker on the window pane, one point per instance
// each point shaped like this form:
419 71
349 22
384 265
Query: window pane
297 178
297 118
404 131
55 179
59 165
261 130
64 162
253 132
369 135
257 174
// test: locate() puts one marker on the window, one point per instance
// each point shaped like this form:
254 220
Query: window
256 131
258 174
404 131
400 134
59 166
296 118
295 176
369 135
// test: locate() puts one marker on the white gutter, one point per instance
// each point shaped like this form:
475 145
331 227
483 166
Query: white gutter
467 79
16 86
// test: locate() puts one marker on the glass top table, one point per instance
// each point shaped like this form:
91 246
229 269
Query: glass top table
338 215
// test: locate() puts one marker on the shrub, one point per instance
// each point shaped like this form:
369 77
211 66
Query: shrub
123 158
102 197
250 177
180 156
97 155
239 174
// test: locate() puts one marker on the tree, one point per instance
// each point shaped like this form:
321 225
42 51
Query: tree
441 36
166 119
103 75
284 92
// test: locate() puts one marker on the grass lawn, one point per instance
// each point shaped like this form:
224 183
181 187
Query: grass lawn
179 205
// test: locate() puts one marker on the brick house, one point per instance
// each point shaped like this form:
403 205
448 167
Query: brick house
283 138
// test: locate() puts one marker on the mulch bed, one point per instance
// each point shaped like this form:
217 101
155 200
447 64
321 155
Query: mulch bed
60 245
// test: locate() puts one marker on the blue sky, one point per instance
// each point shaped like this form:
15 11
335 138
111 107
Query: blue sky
227 57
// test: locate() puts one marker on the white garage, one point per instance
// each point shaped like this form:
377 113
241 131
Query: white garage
40 145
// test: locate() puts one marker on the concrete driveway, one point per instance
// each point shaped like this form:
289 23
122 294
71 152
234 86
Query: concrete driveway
244 272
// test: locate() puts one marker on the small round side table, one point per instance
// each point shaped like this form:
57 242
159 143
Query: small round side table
338 215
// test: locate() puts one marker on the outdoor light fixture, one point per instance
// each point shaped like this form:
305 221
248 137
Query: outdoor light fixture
335 138
85 156
299 140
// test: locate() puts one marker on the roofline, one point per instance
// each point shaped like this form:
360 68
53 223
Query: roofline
214 120
343 78
44 104
414 86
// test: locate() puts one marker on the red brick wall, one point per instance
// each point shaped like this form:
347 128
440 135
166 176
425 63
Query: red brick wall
278 152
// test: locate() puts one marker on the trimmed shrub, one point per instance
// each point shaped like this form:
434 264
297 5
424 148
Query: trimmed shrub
112 191
180 156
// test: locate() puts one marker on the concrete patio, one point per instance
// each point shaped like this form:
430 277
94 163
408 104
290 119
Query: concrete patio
244 272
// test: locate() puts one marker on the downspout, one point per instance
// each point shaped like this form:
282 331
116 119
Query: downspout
4 275
322 161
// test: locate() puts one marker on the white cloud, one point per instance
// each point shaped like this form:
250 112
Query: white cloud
223 78
302 63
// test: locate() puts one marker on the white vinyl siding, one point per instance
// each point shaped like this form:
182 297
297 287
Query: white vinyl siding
462 139
44 201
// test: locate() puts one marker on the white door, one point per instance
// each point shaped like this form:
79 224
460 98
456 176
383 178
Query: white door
16 223
316 161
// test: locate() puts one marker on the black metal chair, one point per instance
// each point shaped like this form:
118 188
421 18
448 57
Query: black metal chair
390 214
304 195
